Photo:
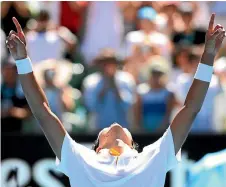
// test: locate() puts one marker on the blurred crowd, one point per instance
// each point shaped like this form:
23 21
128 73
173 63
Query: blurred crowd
105 62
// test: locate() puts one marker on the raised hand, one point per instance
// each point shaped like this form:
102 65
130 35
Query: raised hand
16 42
214 37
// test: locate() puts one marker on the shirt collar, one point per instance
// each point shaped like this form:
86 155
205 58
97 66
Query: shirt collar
127 152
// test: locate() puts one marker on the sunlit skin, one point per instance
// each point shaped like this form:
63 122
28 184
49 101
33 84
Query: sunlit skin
114 137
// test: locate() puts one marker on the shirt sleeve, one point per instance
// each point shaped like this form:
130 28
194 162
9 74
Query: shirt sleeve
166 150
70 152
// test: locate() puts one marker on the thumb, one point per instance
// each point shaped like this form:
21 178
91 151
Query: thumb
16 39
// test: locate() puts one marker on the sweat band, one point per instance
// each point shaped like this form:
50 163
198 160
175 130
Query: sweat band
24 66
204 72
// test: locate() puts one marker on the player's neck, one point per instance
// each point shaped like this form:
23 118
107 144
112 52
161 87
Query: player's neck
117 148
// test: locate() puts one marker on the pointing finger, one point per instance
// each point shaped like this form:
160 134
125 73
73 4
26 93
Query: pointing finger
17 24
211 23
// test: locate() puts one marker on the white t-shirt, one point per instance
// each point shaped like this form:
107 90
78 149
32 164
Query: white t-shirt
86 168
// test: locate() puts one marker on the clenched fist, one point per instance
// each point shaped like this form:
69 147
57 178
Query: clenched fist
214 37
16 42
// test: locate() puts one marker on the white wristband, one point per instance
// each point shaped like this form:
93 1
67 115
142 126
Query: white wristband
204 72
24 66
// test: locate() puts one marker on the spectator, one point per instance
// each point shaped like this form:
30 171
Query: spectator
137 60
3 48
169 20
9 9
181 63
204 120
190 35
52 41
144 73
148 34
55 77
155 100
129 14
220 100
72 15
109 94
104 29
14 107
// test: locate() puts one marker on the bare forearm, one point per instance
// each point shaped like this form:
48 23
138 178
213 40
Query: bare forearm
182 123
34 94
198 89
50 124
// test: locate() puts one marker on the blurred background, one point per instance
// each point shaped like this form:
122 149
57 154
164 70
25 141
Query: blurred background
104 62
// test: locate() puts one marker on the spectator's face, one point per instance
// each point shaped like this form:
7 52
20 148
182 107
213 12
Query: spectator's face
114 136
182 59
42 25
187 19
49 76
130 14
170 10
109 69
146 25
156 79
9 74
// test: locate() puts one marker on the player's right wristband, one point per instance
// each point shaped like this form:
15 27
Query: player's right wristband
24 66
204 72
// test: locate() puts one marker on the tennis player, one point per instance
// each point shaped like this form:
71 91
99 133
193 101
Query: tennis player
114 162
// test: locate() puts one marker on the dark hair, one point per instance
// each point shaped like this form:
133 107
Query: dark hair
43 16
135 145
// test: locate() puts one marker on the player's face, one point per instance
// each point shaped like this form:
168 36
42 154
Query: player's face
109 136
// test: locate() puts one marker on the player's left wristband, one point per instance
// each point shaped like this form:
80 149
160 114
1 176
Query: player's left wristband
24 66
204 72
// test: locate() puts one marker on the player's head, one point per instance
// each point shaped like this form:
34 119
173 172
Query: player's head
113 135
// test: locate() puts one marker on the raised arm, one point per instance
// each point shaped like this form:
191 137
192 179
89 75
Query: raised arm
50 124
181 124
